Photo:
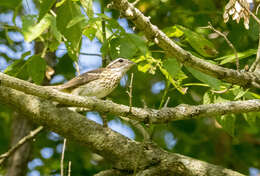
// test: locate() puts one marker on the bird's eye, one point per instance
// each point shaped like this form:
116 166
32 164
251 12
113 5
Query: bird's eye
121 60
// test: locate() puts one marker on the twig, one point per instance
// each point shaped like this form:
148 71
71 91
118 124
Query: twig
31 135
257 9
87 54
130 92
138 126
62 157
136 2
69 169
251 13
257 60
103 25
165 93
167 102
77 67
228 42
90 54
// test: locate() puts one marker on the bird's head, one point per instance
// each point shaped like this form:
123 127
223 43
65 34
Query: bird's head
120 64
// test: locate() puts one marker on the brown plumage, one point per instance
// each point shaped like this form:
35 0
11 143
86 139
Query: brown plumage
98 83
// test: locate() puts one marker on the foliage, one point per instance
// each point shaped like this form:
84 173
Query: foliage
228 140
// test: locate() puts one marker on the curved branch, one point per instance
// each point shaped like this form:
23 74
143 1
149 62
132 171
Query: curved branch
145 115
245 79
121 151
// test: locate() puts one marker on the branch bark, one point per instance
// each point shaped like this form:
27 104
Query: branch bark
245 79
20 143
145 115
121 151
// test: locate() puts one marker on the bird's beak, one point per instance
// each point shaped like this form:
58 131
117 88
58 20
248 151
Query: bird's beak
131 62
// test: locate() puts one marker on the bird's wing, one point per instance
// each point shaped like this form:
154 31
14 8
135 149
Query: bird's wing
81 79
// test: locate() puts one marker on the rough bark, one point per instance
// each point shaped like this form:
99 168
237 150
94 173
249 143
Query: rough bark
145 115
245 79
124 153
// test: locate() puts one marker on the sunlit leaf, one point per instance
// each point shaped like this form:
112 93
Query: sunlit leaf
36 68
75 20
18 67
250 117
65 13
211 81
232 58
207 98
198 42
55 32
45 6
87 4
144 67
31 30
172 66
173 31
228 123
90 32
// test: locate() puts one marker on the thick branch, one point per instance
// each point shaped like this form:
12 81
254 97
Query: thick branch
145 115
121 151
245 79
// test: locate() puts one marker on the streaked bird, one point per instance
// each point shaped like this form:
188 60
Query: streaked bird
97 83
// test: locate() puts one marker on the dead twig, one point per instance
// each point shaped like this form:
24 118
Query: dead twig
30 136
136 2
130 92
69 169
62 157
257 60
228 42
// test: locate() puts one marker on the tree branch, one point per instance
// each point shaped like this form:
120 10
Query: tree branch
115 147
145 115
30 136
245 79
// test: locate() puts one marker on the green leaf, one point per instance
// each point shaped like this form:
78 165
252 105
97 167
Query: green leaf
11 4
36 68
122 47
199 43
17 68
173 31
53 29
228 123
145 67
87 5
127 46
239 92
45 6
207 98
175 83
255 95
65 67
58 4
138 41
65 13
232 58
172 66
31 30
90 32
250 117
75 21
212 82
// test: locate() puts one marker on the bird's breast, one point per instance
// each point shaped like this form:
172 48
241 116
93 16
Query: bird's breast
100 87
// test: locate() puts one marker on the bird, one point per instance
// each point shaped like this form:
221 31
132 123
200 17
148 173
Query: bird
99 82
